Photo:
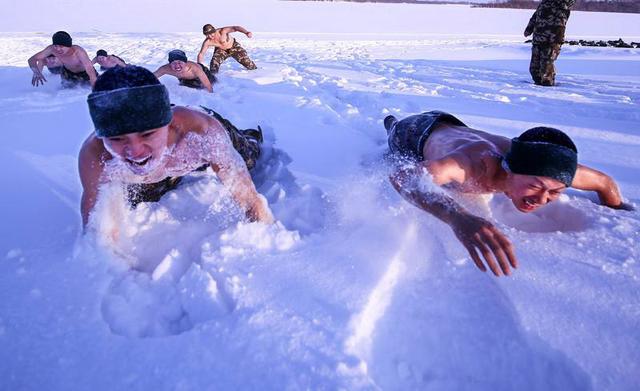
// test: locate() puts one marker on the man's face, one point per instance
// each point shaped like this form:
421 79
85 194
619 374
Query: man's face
212 34
102 60
528 193
61 50
141 152
177 65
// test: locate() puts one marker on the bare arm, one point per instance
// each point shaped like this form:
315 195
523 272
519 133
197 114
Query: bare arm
202 77
475 234
88 65
593 180
232 171
36 63
161 71
203 51
239 29
90 167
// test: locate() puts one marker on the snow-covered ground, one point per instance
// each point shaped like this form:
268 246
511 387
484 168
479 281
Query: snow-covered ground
353 288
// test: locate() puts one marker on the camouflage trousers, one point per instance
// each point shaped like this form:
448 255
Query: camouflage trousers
246 142
236 51
541 67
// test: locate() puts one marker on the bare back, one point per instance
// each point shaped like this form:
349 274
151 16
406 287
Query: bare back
479 155
112 61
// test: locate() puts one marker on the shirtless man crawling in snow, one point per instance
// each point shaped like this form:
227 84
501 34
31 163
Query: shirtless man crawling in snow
143 142
77 68
188 73
532 170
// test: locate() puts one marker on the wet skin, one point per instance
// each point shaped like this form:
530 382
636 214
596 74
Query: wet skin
191 140
468 160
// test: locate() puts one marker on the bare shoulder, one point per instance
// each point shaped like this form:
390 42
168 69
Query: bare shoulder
194 66
45 52
186 120
164 70
91 159
79 50
454 167
93 150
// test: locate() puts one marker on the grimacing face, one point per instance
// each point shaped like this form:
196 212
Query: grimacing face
529 193
177 65
140 152
101 60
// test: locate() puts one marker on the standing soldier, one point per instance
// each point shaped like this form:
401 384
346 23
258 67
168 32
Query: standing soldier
225 46
547 25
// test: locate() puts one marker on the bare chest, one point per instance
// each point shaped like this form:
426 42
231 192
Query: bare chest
222 42
72 63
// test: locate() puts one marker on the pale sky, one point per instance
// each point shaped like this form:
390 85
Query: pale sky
131 16
120 16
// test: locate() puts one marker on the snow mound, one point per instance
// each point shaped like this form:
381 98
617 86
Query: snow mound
173 260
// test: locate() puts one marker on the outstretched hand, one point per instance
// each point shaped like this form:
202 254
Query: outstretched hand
477 234
37 79
249 34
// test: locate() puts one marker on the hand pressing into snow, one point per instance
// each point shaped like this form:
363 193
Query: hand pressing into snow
260 211
478 234
37 79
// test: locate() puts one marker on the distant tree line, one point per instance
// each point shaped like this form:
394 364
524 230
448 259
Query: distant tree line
628 6
396 1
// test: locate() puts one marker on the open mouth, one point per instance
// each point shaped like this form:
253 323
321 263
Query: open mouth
529 205
139 162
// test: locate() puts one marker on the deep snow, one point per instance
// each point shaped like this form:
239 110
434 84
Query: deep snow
353 288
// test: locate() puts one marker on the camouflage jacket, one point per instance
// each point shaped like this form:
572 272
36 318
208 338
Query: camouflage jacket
548 22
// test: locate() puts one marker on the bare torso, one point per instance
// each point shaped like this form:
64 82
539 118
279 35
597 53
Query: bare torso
194 140
220 40
479 151
71 60
188 72
192 144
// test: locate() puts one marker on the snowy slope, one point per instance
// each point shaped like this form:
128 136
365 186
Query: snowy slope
353 288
